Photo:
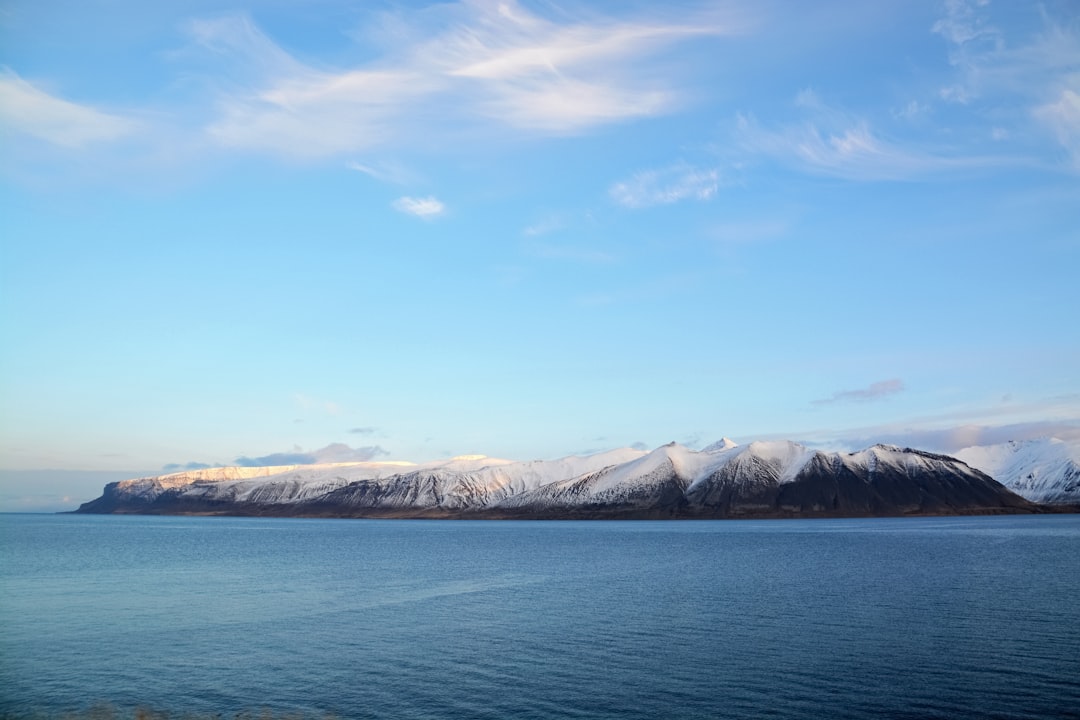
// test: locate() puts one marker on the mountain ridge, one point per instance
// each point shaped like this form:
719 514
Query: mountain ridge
760 479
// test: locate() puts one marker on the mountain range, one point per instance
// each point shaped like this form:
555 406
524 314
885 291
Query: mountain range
723 480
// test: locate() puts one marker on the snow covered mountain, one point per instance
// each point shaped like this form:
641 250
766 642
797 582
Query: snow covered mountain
1046 470
762 479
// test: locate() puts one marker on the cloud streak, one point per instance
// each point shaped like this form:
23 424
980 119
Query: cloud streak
846 148
874 391
31 111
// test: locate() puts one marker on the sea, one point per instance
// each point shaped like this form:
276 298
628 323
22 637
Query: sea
972 617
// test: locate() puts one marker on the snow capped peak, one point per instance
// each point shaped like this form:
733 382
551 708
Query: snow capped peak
672 458
788 457
724 443
661 455
1042 469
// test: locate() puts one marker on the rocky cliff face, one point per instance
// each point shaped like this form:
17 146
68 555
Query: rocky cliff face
775 479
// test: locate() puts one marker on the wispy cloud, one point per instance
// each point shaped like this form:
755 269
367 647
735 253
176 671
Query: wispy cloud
962 22
333 453
1007 95
32 111
1037 74
969 35
426 208
665 186
874 391
843 147
993 64
538 74
269 101
495 62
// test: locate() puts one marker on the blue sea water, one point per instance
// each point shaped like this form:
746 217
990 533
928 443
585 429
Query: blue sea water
905 618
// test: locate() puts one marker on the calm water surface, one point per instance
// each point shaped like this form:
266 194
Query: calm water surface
907 618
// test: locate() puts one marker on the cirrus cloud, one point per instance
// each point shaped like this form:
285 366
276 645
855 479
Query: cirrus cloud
486 64
32 111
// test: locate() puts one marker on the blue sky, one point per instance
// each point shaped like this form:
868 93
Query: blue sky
407 231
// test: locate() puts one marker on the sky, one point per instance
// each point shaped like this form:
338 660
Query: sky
283 231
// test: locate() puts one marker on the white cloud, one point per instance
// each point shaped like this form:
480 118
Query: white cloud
426 208
536 74
34 112
316 114
494 63
666 186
